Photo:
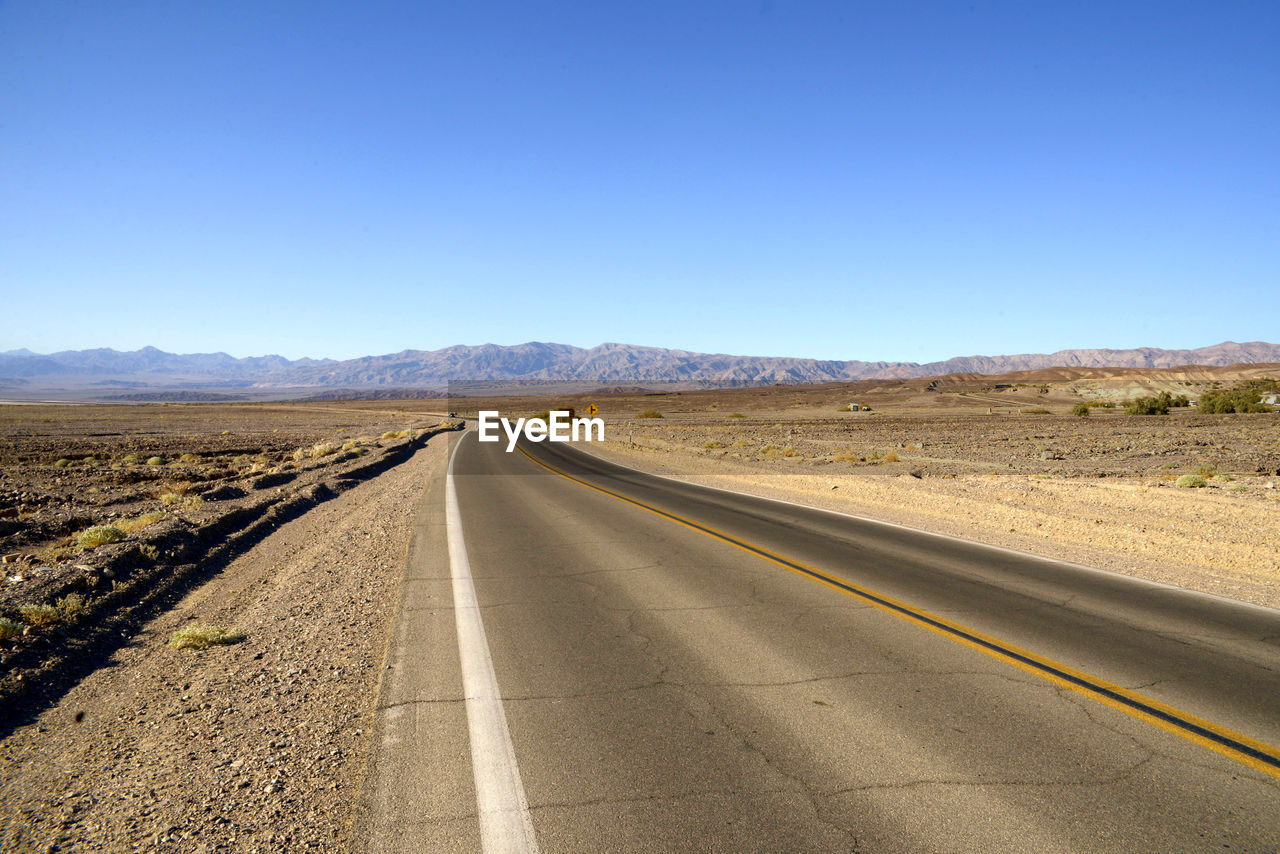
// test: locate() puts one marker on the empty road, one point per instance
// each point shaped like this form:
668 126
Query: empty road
684 669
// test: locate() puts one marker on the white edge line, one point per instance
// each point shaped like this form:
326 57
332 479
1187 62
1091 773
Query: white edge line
501 805
978 543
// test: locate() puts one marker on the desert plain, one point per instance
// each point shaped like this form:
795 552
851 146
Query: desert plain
287 526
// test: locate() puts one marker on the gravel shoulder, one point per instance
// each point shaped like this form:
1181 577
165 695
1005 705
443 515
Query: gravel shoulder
255 746
1211 540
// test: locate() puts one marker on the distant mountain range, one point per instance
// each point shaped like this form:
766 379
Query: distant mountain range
534 364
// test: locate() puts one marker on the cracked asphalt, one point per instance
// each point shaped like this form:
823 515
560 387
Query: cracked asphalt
666 691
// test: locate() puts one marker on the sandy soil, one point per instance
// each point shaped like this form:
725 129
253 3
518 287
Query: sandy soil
1220 539
256 746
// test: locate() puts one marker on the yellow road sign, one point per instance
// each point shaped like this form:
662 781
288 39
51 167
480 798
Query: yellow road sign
592 409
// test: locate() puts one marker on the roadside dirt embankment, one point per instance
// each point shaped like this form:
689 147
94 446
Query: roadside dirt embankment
256 746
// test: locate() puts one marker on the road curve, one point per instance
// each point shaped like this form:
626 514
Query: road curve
686 669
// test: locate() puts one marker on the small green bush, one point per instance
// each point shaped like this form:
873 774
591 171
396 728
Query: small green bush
1080 409
99 535
712 444
649 413
1039 410
39 615
891 457
71 605
201 636
735 415
188 458
9 629
155 461
1191 481
61 464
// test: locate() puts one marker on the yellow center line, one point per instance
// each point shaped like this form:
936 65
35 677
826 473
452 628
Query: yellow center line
1227 742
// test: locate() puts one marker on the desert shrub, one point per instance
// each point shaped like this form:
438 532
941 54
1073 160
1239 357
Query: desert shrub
1146 406
71 605
1232 400
712 444
1101 404
1191 481
322 449
201 636
891 457
735 415
788 451
1158 405
171 498
130 458
99 535
9 629
1038 410
847 457
1223 478
140 522
63 463
741 443
771 449
1080 409
188 458
649 413
1167 466
1239 487
1206 470
39 615
349 445
155 461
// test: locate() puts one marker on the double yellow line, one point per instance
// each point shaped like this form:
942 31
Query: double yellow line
1251 752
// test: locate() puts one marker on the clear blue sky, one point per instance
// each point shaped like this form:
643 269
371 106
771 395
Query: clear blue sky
840 180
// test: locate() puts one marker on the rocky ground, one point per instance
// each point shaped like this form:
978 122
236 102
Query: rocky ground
1100 490
254 746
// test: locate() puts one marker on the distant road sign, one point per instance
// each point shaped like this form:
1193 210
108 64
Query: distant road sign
592 409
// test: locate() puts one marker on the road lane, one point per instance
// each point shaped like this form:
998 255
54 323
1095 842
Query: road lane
666 691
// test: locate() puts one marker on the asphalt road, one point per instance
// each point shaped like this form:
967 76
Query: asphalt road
684 669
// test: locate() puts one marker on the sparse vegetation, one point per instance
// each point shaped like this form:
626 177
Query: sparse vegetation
39 615
61 464
1037 410
1158 405
649 413
1081 410
9 629
712 444
1239 399
139 522
155 461
1191 481
202 636
188 458
99 535
735 415
70 606
891 457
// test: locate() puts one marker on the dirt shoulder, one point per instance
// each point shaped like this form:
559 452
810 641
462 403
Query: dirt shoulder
256 746
1215 539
